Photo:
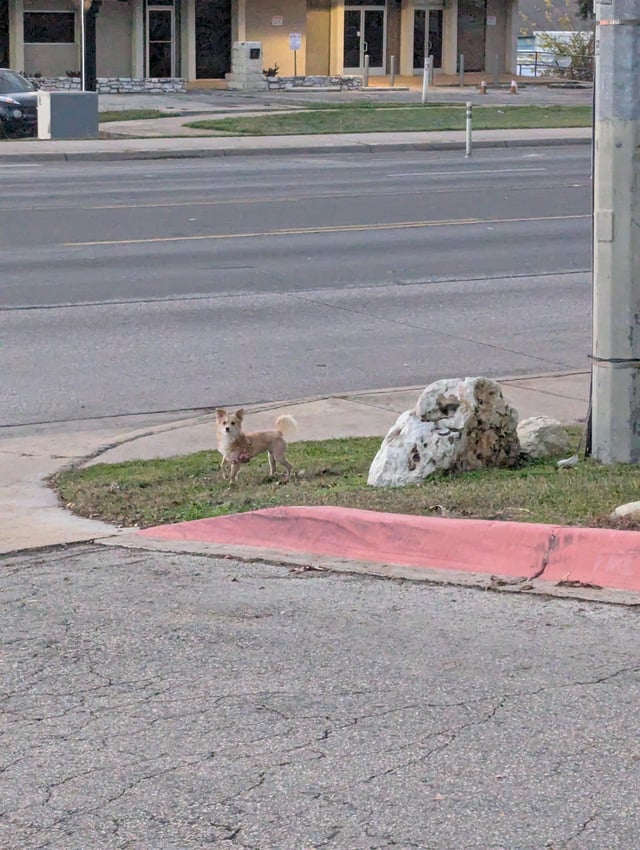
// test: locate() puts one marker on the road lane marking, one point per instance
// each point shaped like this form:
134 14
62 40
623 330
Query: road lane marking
309 231
427 173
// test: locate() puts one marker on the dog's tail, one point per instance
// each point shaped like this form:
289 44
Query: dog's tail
287 425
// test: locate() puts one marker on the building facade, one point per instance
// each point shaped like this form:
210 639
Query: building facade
192 39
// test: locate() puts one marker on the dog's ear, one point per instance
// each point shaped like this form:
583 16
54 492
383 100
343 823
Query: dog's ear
240 414
220 412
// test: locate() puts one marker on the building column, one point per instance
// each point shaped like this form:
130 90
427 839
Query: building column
188 40
336 48
406 38
511 37
450 37
16 35
238 20
137 41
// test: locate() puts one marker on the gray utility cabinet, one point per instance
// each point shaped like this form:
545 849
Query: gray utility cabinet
67 115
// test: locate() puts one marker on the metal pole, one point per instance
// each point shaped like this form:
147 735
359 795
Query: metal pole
430 61
461 69
392 69
497 69
616 248
467 152
425 81
366 70
83 72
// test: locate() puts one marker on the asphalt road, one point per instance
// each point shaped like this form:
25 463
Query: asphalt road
177 702
176 285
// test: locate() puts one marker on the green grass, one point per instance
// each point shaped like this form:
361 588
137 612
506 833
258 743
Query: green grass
366 118
131 115
334 472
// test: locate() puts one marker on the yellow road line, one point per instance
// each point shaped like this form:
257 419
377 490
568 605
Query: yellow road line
305 231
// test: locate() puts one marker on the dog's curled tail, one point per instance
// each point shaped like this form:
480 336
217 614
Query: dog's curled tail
287 425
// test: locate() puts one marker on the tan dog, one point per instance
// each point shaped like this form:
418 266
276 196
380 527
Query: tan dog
236 447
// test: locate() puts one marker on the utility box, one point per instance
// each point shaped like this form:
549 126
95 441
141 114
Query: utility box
246 67
67 115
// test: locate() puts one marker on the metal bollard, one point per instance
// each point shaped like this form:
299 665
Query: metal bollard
365 76
467 151
461 69
425 80
392 69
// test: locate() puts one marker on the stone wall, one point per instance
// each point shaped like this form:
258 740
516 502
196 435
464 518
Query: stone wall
316 81
116 85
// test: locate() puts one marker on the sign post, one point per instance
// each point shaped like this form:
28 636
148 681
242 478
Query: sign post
83 38
295 43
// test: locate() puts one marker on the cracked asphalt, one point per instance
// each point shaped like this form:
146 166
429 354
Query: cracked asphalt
157 701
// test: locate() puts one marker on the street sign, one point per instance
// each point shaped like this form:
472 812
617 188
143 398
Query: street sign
295 40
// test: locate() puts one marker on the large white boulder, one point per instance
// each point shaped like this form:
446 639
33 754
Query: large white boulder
457 424
541 436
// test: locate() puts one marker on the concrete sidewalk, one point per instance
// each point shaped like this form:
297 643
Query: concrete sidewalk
31 517
34 151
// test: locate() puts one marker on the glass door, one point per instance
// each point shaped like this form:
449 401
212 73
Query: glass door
364 35
427 38
160 41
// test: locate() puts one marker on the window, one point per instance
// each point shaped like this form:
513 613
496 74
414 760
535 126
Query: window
49 27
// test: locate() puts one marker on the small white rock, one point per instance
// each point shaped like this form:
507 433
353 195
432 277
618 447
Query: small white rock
541 436
629 511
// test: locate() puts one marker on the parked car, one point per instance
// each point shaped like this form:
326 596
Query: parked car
18 105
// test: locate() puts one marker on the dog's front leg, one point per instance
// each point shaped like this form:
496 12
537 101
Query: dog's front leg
235 469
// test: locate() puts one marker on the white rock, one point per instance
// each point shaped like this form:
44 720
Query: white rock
629 511
541 436
457 424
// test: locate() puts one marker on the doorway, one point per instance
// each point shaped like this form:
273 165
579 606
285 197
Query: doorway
213 38
160 40
364 35
427 38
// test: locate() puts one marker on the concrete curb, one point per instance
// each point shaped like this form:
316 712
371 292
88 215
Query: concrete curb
301 561
294 150
493 553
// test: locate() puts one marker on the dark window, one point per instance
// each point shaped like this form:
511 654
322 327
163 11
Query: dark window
49 27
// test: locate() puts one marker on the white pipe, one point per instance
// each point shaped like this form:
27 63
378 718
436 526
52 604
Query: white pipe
468 130
83 75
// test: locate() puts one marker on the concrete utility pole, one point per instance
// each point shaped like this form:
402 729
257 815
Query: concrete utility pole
616 257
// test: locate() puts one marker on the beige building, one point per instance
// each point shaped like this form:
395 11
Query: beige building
191 39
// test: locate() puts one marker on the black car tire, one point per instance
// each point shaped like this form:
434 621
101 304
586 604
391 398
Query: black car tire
3 131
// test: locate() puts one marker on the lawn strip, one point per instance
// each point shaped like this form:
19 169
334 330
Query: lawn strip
400 120
334 472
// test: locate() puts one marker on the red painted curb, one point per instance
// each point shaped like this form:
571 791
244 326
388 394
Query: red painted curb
554 553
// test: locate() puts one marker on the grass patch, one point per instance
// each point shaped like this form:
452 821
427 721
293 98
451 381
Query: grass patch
334 472
372 119
131 115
